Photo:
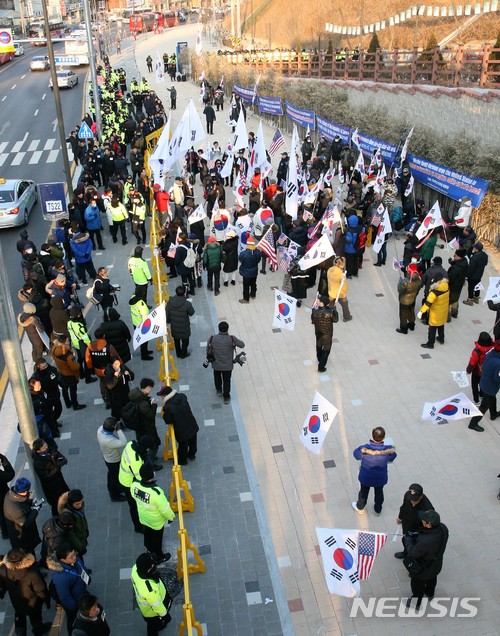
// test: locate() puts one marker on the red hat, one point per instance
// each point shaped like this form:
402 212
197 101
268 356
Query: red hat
156 187
212 239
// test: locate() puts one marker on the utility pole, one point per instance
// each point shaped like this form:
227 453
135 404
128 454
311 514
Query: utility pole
238 18
14 363
57 100
233 8
93 72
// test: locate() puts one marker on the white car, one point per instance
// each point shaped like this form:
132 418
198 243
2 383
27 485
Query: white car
19 49
17 198
65 79
40 63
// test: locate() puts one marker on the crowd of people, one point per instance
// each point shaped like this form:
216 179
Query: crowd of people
113 194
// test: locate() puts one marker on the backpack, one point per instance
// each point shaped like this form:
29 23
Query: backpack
361 240
94 298
190 259
130 415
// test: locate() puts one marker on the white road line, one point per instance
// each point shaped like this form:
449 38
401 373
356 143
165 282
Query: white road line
49 144
35 157
13 87
4 98
17 146
52 156
44 96
35 113
33 145
3 146
23 76
17 159
3 157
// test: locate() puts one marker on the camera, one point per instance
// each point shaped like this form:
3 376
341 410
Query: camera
240 359
206 362
37 503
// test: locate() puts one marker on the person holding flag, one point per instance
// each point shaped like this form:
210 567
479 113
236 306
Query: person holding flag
436 303
249 269
138 311
338 286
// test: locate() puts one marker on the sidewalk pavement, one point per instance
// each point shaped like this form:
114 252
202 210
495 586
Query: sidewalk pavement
259 494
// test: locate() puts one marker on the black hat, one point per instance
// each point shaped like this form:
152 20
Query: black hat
431 516
146 471
146 442
461 253
145 564
415 491
165 390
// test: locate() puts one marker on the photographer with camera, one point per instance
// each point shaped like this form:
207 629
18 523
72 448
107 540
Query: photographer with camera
104 292
20 513
221 354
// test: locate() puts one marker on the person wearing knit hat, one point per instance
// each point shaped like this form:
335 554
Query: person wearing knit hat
154 510
249 269
475 271
20 516
34 329
151 594
489 385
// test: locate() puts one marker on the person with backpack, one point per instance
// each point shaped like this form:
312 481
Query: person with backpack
481 347
112 441
185 260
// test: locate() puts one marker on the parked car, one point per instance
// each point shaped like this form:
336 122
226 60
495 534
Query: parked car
65 79
17 198
40 63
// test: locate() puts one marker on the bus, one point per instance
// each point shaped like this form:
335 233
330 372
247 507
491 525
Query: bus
37 30
78 51
141 22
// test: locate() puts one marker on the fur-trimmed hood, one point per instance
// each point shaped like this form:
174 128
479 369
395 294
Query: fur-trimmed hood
25 320
24 564
54 565
168 397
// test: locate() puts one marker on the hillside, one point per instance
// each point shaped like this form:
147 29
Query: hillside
296 23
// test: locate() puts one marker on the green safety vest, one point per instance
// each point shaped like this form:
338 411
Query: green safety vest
119 213
138 312
139 211
139 270
152 505
149 594
130 465
77 333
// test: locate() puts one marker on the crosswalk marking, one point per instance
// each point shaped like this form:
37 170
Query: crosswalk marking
3 157
52 156
17 159
49 144
35 157
17 146
3 146
33 145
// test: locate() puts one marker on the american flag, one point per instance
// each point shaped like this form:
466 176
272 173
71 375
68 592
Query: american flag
268 247
283 238
315 304
369 545
276 143
285 260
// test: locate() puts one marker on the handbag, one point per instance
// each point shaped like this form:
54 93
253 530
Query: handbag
414 566
335 314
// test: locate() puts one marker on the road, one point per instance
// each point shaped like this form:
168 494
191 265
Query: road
29 143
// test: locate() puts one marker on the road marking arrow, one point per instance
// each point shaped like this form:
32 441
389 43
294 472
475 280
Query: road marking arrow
6 125
54 125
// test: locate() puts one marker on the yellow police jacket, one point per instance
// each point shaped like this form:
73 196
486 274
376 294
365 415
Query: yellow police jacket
152 504
149 594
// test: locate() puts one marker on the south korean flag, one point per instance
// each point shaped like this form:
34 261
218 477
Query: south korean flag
339 553
285 308
317 423
153 326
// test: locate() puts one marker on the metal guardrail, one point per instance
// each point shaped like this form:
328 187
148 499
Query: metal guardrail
458 67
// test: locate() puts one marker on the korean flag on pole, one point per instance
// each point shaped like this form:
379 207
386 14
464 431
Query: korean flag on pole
318 253
153 326
339 553
431 221
198 214
285 308
317 423
493 291
383 229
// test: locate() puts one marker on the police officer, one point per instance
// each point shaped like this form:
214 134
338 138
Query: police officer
141 275
153 509
133 457
150 593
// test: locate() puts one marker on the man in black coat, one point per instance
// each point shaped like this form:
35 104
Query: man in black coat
457 273
414 502
282 173
210 117
176 411
323 319
178 311
20 514
27 590
7 473
427 546
477 265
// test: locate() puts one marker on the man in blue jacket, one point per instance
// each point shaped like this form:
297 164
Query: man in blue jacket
249 269
81 246
489 384
374 458
92 218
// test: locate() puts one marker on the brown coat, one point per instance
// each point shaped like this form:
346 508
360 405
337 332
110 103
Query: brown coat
65 360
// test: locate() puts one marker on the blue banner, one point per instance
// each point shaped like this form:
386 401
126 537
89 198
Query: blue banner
270 105
328 129
301 117
447 181
370 144
246 94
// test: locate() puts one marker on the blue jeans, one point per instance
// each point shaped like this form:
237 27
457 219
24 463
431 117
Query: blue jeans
363 496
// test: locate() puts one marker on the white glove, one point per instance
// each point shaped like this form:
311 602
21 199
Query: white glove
419 315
